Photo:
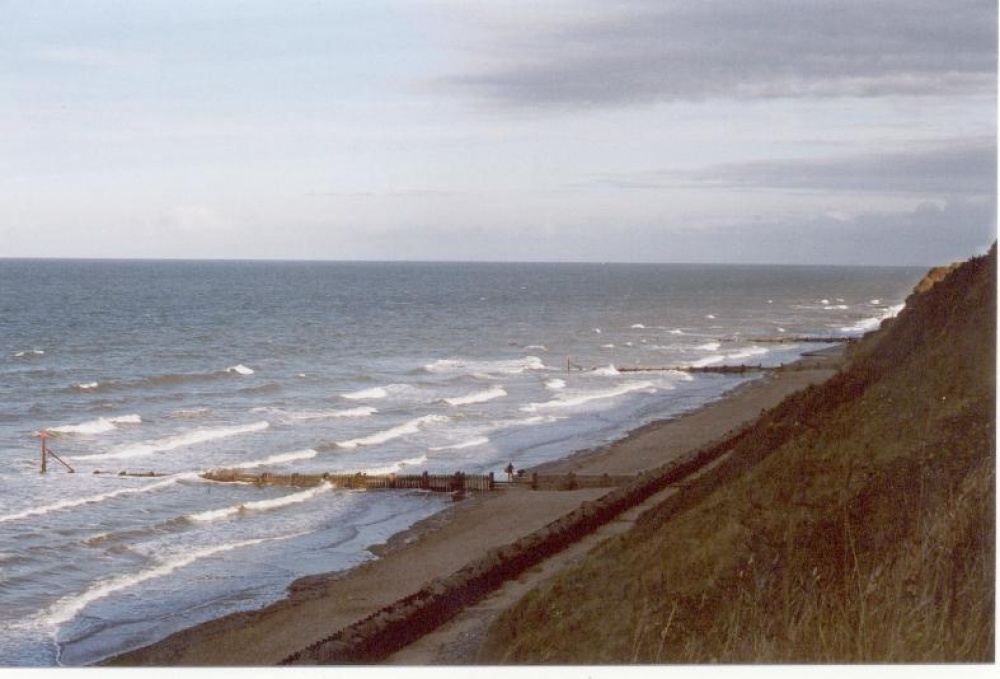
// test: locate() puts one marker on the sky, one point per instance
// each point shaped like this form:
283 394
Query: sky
719 131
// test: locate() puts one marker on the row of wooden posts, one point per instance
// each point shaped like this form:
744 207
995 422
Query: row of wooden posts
459 482
726 369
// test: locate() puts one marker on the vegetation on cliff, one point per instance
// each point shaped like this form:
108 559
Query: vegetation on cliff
855 524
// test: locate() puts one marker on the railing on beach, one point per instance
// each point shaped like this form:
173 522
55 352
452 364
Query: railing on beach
459 482
435 482
784 339
737 369
721 369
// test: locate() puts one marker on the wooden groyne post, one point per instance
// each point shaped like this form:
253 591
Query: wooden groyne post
44 436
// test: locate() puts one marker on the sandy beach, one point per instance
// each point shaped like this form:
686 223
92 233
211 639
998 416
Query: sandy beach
320 605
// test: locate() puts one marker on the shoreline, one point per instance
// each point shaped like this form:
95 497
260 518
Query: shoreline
316 606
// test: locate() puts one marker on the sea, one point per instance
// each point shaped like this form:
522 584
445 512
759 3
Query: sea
178 367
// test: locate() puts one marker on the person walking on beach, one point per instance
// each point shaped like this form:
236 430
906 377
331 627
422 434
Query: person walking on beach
509 469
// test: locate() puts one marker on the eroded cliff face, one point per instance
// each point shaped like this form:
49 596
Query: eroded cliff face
935 276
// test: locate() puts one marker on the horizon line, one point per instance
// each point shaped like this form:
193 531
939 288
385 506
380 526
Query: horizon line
316 260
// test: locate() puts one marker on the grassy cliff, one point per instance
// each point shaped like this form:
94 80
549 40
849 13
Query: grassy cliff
855 524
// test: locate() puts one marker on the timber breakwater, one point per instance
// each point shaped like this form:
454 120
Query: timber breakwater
458 482
394 626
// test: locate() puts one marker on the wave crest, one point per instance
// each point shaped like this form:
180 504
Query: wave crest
99 426
411 427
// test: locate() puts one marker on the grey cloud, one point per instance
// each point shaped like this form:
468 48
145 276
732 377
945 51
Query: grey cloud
958 167
928 235
647 52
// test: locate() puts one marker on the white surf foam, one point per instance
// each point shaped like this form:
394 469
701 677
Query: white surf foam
396 467
748 353
240 370
91 499
85 386
468 367
638 326
490 394
555 384
709 346
280 458
607 371
98 426
708 360
869 324
260 505
189 438
28 352
366 394
471 443
581 398
362 411
411 427
67 608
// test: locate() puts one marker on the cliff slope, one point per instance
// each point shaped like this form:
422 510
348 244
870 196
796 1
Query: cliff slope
855 524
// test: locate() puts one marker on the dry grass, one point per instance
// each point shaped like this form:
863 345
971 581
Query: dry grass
857 524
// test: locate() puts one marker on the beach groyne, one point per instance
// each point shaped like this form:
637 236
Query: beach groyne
395 626
458 482
441 483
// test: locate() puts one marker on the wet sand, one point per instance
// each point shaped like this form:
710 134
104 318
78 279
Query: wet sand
320 605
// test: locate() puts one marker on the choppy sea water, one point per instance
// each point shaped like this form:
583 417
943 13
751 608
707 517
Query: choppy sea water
180 367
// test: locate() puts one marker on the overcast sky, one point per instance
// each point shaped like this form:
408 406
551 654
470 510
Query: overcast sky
751 131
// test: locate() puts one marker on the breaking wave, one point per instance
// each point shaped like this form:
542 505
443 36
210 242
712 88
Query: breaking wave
98 426
92 499
869 324
578 399
411 427
278 459
478 397
240 370
396 467
179 441
259 505
467 367
471 443
67 608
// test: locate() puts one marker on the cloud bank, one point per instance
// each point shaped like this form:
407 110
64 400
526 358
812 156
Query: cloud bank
965 167
618 54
